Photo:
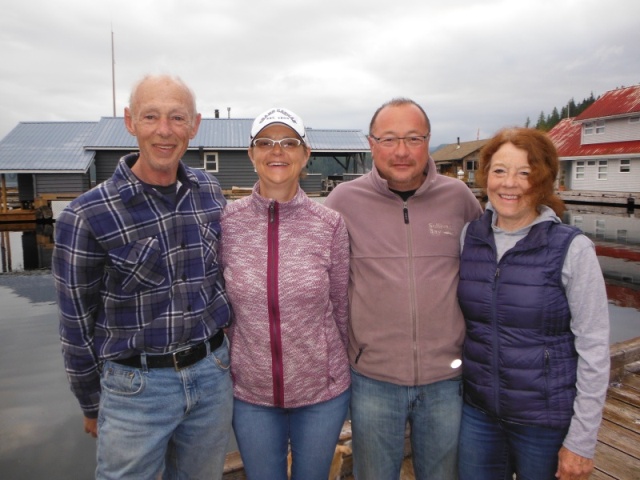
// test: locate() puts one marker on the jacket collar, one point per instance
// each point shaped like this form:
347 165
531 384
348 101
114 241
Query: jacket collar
260 203
129 185
382 186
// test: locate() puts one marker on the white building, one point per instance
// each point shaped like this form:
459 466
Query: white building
600 148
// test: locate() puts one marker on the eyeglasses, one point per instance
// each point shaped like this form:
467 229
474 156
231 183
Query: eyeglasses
413 141
269 143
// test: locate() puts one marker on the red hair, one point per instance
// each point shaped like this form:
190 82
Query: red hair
543 161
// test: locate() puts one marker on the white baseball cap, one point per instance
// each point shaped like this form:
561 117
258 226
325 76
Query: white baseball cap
278 115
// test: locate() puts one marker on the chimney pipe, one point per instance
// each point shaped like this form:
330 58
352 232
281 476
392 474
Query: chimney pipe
216 113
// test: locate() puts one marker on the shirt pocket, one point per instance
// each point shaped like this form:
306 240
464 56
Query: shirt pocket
137 265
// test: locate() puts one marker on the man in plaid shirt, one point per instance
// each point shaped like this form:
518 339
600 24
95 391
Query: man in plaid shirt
142 303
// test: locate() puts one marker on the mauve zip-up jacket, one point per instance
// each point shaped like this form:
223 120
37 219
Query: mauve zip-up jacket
286 268
406 326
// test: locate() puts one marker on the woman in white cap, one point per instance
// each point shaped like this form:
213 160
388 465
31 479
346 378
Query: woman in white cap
286 267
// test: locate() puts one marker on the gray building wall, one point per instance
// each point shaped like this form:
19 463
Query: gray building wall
62 183
234 168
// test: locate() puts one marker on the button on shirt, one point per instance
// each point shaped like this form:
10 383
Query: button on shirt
135 273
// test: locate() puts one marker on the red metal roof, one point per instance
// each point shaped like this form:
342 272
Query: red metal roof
566 136
622 101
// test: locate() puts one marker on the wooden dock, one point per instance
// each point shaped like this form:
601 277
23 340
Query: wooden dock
17 215
619 199
618 450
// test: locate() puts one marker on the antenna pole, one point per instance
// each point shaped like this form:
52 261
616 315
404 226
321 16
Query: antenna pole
113 74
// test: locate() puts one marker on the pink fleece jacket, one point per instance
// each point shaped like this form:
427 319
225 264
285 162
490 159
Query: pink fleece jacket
286 267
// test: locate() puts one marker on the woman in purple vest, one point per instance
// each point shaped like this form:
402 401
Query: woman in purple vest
536 354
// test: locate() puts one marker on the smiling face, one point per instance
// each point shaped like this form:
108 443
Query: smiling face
403 167
279 168
508 187
163 119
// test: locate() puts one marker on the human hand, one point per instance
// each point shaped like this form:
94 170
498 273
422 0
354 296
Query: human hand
572 466
91 426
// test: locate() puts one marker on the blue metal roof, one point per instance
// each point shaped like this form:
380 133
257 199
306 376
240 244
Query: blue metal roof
337 140
224 133
65 147
46 147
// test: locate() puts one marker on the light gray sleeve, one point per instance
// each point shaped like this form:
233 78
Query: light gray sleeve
587 296
462 235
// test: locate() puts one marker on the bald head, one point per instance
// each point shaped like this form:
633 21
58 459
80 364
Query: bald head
150 81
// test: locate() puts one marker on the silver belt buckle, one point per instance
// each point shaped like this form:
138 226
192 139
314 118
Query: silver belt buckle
174 356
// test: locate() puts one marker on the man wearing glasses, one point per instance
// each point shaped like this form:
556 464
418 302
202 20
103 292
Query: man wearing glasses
406 328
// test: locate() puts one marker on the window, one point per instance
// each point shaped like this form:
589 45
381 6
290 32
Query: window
579 169
625 165
600 228
596 127
211 162
602 169
578 221
634 120
621 236
471 165
591 163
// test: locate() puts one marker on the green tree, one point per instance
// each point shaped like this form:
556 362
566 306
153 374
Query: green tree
570 110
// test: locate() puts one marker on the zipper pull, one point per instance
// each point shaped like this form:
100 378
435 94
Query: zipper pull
496 276
405 211
272 210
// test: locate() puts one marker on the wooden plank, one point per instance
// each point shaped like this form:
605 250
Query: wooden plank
624 393
622 354
623 414
598 475
633 381
47 197
18 215
620 438
616 463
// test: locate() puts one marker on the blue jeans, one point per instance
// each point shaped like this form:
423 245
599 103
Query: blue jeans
263 435
492 449
162 420
379 415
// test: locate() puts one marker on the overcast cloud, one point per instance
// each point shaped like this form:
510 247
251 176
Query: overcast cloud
474 65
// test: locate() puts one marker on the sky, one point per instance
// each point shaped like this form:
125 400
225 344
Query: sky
474 65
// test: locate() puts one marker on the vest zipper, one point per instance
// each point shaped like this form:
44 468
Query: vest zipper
495 364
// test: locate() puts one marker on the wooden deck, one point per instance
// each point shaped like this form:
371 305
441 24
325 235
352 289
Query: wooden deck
17 215
618 450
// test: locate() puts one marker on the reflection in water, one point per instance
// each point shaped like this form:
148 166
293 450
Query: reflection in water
40 421
25 247
616 234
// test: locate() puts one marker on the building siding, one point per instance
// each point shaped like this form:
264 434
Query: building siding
61 183
615 130
616 181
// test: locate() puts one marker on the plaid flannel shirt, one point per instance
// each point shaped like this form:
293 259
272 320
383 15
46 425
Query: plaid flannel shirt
136 274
